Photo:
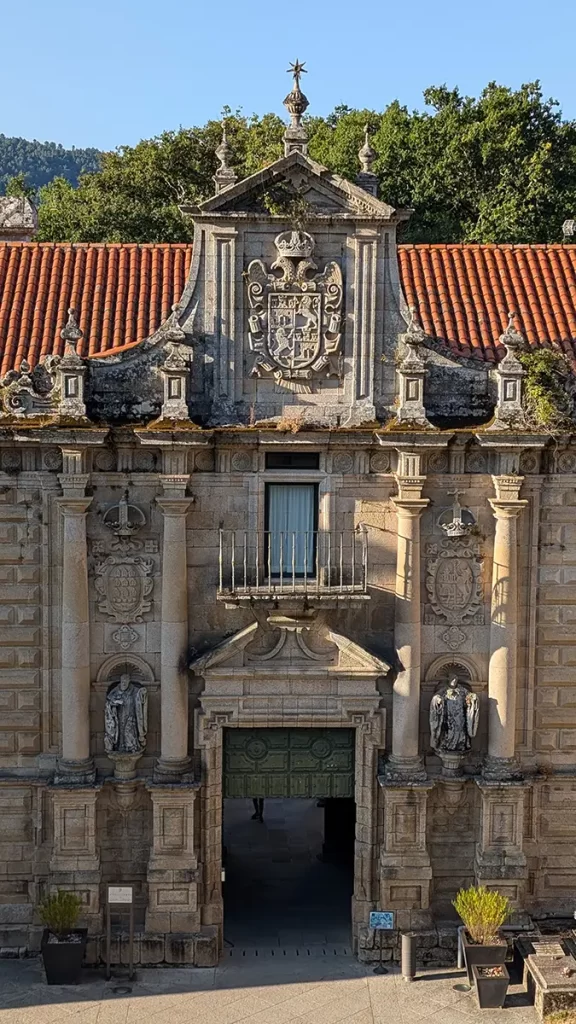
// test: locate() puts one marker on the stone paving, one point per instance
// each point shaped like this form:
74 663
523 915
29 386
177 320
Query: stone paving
312 989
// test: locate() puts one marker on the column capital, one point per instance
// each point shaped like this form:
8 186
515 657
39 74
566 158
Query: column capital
410 507
507 508
72 506
507 486
172 505
175 484
74 484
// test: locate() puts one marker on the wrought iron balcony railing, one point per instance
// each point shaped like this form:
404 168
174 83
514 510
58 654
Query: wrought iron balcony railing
294 563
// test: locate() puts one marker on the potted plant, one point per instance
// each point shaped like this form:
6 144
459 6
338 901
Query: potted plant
483 912
491 985
63 945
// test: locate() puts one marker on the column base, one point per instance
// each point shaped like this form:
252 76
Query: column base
75 773
501 769
401 770
168 770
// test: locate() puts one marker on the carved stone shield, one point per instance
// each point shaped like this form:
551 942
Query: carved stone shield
294 338
295 314
454 581
123 584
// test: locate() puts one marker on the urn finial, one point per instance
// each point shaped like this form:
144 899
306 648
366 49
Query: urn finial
296 103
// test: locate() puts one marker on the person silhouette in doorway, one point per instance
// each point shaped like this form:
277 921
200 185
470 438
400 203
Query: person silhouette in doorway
258 809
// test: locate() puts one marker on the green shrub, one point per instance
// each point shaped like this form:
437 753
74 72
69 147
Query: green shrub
60 912
483 911
547 389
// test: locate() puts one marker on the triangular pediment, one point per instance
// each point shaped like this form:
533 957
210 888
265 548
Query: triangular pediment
293 647
326 194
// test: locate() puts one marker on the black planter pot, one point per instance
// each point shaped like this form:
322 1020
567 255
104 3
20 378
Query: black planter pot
63 960
482 956
491 991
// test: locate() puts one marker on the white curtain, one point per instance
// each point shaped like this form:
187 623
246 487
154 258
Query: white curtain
291 541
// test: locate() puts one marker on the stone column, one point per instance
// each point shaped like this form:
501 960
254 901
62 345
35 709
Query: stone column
405 764
75 764
174 760
502 682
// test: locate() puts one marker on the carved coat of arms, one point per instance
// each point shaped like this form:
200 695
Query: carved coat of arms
454 581
295 313
123 584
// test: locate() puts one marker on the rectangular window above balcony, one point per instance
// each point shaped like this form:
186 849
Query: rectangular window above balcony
291 529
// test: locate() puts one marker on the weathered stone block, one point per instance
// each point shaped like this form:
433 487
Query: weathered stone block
206 948
180 949
152 949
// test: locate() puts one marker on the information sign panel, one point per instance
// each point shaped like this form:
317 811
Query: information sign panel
382 919
120 894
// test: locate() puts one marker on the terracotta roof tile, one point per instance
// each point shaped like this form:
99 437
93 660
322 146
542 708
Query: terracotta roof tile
462 293
122 294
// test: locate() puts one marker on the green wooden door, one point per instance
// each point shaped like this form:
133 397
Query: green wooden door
289 763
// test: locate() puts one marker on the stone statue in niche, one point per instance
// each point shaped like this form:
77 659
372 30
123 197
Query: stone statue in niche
125 725
454 713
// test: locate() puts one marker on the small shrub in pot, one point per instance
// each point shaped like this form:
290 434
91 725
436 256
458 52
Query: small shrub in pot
63 944
483 912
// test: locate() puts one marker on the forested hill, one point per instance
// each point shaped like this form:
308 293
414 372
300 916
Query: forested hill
42 161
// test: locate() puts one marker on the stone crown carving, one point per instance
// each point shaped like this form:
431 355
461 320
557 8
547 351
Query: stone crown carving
295 244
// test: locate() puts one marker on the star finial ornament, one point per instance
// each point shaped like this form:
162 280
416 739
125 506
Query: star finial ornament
297 69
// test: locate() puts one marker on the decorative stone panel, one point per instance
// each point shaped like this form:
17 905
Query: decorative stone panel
21 618
173 866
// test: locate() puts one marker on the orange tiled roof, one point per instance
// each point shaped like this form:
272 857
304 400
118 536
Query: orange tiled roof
463 294
122 293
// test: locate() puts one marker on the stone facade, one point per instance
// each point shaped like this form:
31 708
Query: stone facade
132 540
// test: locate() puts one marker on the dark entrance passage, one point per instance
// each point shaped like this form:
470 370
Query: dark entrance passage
289 878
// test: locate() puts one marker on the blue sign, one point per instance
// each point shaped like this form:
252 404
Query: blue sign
383 919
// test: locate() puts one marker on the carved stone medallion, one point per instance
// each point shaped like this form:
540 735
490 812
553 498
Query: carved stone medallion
123 584
454 580
295 318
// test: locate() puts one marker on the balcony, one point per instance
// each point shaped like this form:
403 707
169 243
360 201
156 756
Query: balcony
314 568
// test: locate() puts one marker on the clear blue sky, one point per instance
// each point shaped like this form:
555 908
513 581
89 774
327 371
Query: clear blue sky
113 71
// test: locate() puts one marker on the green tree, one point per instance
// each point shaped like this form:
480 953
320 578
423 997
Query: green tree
500 168
17 186
39 162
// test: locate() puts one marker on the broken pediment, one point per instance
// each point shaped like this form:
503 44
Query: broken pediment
296 179
286 645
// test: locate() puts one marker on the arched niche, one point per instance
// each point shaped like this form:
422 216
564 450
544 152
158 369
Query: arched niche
117 664
454 664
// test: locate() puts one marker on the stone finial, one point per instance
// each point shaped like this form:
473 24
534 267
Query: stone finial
71 332
173 331
411 372
509 411
367 155
296 103
225 175
415 335
511 338
71 372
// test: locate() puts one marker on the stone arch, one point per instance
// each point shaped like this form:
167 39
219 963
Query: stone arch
459 664
114 666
